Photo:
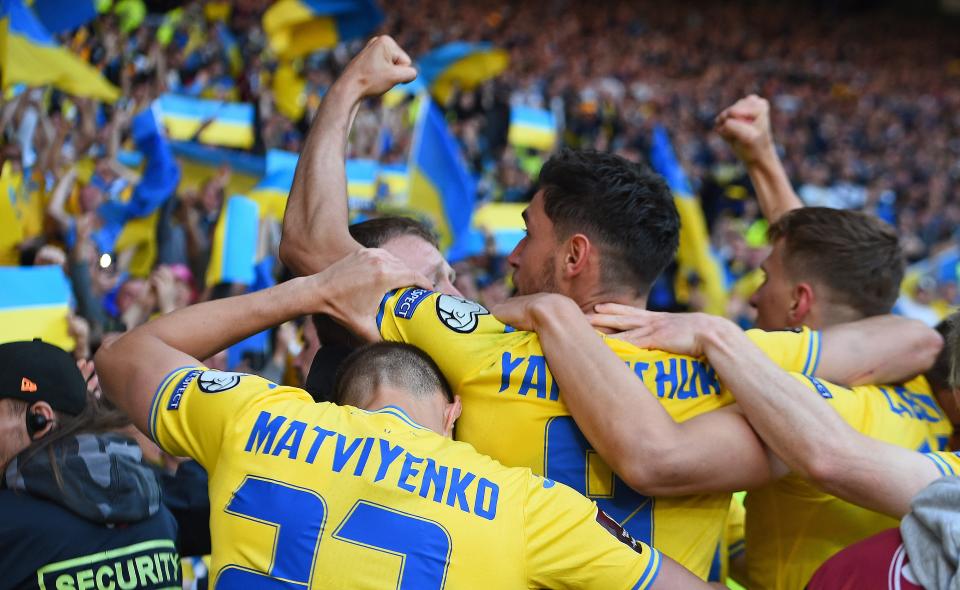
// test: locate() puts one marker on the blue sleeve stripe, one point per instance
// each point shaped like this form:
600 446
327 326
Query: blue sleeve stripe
816 363
155 403
383 307
942 466
650 574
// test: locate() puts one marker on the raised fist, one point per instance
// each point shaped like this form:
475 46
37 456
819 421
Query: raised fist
746 127
380 66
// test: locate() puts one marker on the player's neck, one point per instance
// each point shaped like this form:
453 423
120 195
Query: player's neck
588 303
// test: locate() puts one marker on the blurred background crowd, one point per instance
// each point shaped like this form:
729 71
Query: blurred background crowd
131 200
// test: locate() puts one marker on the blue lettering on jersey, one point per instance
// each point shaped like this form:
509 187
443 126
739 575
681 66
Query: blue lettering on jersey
177 395
675 378
409 301
910 404
441 484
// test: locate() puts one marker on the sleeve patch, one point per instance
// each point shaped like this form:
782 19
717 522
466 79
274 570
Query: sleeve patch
614 528
408 302
177 396
458 314
218 381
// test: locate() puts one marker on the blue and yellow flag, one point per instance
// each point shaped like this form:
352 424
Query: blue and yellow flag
441 187
299 27
29 55
695 253
273 189
34 303
362 183
393 182
228 124
60 16
532 128
233 256
504 221
460 65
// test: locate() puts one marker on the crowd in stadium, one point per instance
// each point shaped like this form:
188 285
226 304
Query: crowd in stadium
827 206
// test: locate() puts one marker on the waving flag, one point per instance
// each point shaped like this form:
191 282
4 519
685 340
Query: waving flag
34 303
460 65
441 187
695 253
273 189
298 27
29 55
394 182
362 183
233 257
505 222
228 124
60 16
533 128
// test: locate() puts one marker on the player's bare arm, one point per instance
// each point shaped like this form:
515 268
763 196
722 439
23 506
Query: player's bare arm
622 419
794 421
131 368
315 222
746 127
881 349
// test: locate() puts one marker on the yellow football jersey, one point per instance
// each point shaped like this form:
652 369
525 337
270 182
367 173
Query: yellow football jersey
323 496
792 527
513 411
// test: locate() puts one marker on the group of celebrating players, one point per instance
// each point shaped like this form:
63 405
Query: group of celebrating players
599 444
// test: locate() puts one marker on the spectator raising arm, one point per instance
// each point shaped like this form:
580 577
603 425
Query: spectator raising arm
315 221
746 127
349 291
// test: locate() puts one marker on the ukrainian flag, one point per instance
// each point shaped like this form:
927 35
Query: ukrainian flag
504 221
362 183
695 253
460 65
29 55
199 163
273 189
441 187
532 128
394 182
298 27
233 256
60 16
35 303
231 123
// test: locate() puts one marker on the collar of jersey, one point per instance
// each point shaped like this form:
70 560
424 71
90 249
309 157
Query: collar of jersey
397 413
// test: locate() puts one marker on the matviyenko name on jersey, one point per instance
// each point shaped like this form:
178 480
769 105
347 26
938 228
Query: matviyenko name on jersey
408 302
371 458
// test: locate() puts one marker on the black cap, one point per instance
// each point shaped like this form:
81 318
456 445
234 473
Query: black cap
35 371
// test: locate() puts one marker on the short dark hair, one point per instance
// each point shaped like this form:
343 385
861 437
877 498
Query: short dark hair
627 209
388 363
855 255
945 372
374 233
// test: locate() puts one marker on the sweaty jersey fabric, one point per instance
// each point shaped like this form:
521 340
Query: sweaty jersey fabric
513 410
792 527
324 496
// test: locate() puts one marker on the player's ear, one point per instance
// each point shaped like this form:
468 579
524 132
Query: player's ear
451 414
576 254
801 303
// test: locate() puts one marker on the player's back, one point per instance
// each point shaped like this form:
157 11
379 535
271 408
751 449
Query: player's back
514 412
336 497
792 527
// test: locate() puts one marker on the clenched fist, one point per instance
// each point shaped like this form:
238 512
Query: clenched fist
746 127
379 67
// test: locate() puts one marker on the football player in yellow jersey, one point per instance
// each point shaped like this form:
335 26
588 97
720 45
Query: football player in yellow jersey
551 258
816 441
826 266
325 496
